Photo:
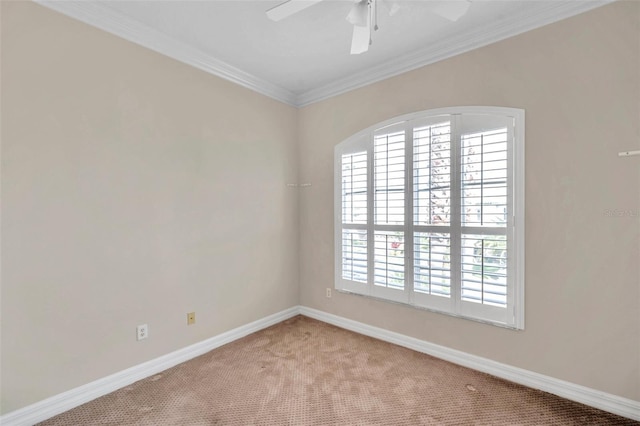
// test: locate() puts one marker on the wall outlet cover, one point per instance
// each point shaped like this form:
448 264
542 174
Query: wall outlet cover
142 332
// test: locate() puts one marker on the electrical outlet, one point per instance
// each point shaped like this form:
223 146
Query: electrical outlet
142 331
328 292
191 318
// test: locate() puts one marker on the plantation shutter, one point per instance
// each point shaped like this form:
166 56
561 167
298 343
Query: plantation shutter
352 184
485 216
432 186
389 188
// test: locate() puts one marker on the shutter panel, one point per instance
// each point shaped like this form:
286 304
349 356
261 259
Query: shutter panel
484 179
389 260
353 213
432 210
484 212
432 264
484 269
354 188
389 178
354 255
432 175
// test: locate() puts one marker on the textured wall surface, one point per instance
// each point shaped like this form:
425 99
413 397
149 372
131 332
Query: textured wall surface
135 189
579 82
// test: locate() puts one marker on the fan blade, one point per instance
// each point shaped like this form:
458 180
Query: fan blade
452 9
289 8
360 40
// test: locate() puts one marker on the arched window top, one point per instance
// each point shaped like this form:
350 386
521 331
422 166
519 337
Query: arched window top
480 111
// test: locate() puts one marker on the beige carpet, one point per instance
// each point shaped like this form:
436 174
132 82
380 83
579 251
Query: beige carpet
305 372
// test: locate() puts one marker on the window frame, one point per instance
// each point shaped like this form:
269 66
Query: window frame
513 315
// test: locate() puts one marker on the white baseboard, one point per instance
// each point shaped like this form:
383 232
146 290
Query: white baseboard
65 401
584 395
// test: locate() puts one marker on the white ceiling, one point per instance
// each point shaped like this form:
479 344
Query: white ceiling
305 58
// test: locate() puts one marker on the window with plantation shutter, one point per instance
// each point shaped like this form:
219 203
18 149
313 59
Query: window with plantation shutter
430 212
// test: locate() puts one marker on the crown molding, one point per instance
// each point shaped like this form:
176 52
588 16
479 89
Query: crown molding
98 16
548 12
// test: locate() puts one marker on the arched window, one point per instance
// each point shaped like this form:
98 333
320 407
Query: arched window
429 211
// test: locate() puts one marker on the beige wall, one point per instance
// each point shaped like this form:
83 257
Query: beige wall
134 189
579 82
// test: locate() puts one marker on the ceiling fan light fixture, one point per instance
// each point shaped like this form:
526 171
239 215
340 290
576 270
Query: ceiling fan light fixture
363 15
359 14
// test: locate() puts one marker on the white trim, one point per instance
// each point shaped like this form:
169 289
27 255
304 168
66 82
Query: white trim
65 401
584 395
519 193
548 13
97 15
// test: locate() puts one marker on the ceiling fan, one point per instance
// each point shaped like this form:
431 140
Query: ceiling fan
364 16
